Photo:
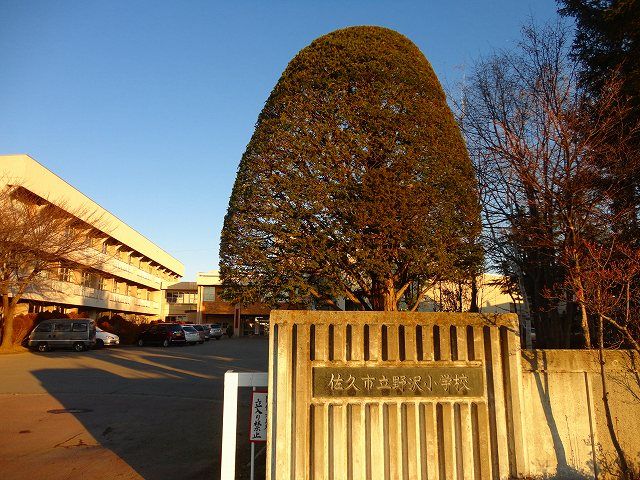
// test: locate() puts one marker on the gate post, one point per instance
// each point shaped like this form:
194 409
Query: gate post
394 394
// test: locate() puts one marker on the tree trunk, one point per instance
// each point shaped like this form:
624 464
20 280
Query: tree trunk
624 467
473 308
7 324
384 295
584 320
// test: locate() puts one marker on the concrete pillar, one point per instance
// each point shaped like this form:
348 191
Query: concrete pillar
237 321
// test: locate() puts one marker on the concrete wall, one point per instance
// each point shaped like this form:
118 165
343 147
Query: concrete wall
565 424
539 414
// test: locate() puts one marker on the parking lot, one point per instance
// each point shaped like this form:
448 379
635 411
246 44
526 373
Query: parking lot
123 413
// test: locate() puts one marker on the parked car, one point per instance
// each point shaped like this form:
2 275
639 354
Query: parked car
206 328
104 338
191 335
200 330
163 334
79 334
216 331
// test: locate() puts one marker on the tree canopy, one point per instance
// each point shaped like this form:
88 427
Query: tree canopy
607 46
356 182
607 38
545 149
37 239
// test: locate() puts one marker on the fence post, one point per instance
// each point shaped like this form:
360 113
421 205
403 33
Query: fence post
229 424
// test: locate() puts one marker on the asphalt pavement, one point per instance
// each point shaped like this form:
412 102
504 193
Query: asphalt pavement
123 413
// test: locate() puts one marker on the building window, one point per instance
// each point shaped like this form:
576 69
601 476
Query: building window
114 286
87 281
64 274
175 296
209 294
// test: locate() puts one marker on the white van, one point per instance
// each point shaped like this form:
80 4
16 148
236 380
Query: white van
77 333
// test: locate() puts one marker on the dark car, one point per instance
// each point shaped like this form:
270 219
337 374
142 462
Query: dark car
163 334
206 328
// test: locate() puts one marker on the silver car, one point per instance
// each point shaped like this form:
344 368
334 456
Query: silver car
104 338
191 335
216 331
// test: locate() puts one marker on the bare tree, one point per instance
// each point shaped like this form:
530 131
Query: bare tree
545 150
539 142
611 280
37 239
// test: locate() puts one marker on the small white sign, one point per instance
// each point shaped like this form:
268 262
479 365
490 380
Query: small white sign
258 419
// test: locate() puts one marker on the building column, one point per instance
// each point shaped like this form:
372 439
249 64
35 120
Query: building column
237 321
199 299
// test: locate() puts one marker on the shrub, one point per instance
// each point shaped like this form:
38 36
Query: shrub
127 330
22 326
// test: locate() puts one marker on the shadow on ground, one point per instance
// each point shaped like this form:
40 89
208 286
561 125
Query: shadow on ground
159 410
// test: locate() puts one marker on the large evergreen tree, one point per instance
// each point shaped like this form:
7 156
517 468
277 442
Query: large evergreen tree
607 39
356 182
607 45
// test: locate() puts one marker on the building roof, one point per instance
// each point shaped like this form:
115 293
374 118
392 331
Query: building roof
26 172
183 286
210 278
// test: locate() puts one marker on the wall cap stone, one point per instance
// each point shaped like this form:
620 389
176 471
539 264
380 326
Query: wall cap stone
577 360
290 317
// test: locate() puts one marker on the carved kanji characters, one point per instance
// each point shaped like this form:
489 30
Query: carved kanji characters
368 382
461 382
384 383
336 382
351 383
414 383
446 382
399 382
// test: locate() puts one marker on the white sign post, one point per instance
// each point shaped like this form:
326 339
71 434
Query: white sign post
257 423
258 419
232 381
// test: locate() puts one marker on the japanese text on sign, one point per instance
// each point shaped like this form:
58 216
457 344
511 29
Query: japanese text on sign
453 381
258 420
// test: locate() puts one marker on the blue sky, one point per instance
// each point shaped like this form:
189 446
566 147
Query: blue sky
147 106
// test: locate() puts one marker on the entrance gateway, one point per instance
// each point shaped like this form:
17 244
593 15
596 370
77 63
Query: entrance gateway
394 395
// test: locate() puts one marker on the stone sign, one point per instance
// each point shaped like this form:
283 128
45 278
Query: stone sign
394 395
409 381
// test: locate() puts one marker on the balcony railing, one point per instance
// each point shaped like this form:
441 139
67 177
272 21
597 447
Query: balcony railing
126 267
61 291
